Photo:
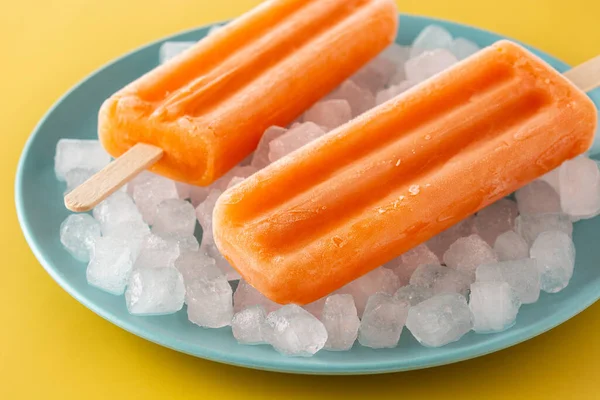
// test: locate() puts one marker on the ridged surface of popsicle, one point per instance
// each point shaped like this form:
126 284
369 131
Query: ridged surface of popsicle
208 107
401 173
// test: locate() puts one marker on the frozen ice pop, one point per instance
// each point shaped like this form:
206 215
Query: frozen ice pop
207 108
400 174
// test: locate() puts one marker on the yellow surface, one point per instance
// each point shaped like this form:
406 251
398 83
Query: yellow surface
53 347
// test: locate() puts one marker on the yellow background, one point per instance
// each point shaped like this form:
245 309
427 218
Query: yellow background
53 347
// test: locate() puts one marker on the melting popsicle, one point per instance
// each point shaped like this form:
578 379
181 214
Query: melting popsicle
205 110
401 173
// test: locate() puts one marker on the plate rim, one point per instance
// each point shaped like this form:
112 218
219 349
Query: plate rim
279 365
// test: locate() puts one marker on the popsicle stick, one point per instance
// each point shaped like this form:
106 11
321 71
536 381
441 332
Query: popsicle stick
107 181
585 76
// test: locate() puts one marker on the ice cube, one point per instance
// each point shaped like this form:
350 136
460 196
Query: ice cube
81 154
169 50
110 265
580 187
466 254
381 279
156 252
431 38
185 243
382 322
552 178
191 264
133 233
175 216
155 291
329 114
208 297
293 139
210 248
359 99
393 91
247 325
376 74
78 232
235 181
316 307
293 331
150 193
538 197
463 48
440 320
413 295
496 219
341 321
530 226
261 154
246 296
407 263
397 54
441 242
198 194
238 171
511 246
494 306
522 275
441 279
428 64
76 177
555 255
205 209
184 190
117 209
138 180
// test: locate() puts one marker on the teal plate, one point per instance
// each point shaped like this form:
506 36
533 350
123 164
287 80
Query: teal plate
74 115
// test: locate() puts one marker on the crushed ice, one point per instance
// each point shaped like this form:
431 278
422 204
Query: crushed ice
473 276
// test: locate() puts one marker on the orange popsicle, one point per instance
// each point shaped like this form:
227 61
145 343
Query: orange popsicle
208 108
401 173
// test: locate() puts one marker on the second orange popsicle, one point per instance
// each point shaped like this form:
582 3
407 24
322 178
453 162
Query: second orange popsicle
401 173
208 107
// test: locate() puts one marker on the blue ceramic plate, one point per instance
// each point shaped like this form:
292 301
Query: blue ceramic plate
75 116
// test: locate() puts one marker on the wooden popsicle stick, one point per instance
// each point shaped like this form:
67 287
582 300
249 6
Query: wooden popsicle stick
107 181
585 76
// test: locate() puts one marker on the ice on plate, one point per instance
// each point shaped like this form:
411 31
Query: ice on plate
554 252
379 280
341 321
495 220
441 279
382 322
511 246
175 216
440 320
522 275
110 265
247 325
517 248
293 331
155 291
494 306
79 154
413 294
467 253
208 294
407 263
538 197
78 232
